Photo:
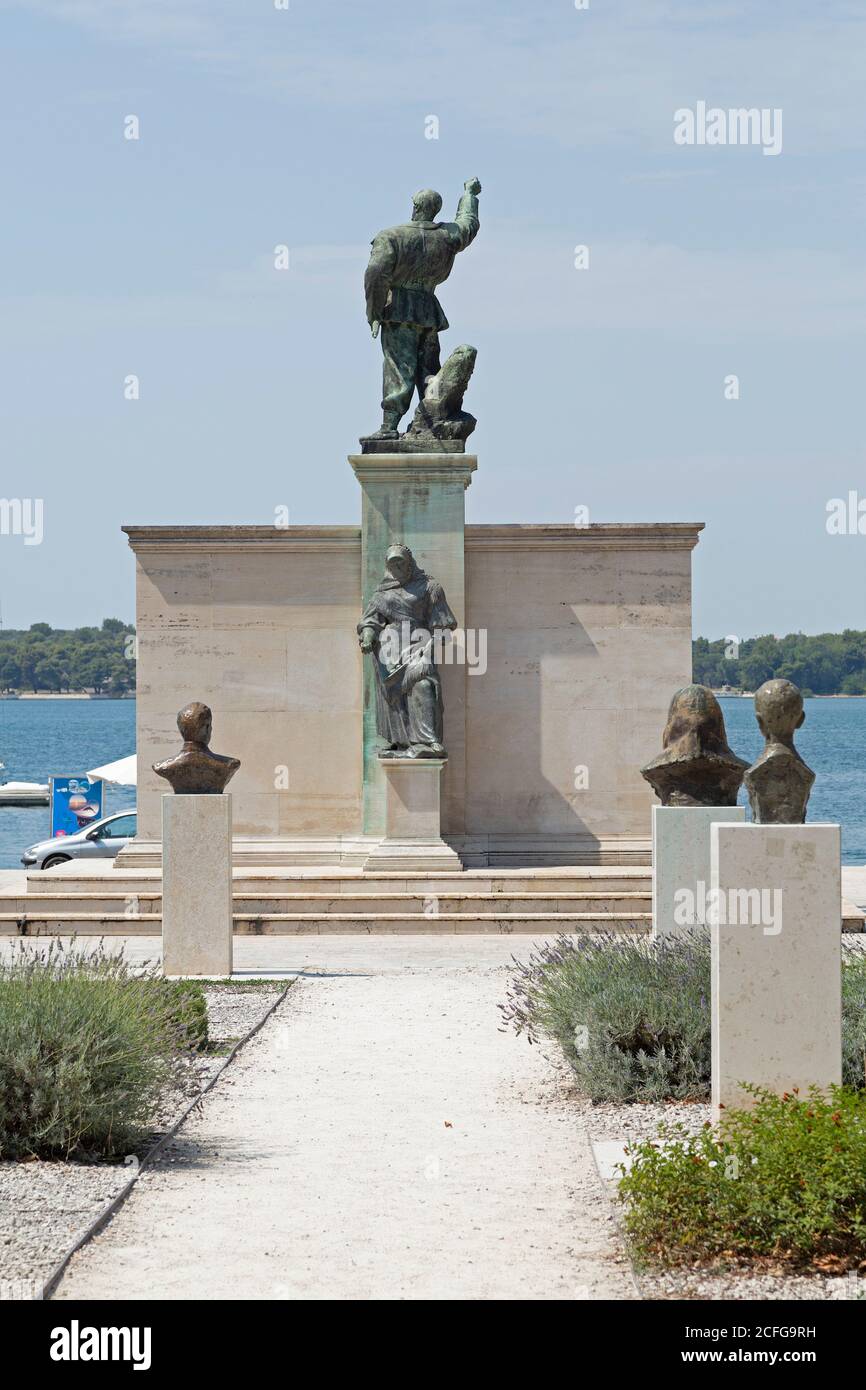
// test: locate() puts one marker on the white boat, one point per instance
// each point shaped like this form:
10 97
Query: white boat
23 794
123 772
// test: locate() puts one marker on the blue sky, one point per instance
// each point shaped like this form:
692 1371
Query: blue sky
306 127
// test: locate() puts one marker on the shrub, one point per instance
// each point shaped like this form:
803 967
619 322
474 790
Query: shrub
632 1015
188 1007
786 1180
89 1049
854 1018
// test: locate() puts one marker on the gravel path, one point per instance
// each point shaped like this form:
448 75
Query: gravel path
46 1206
379 1138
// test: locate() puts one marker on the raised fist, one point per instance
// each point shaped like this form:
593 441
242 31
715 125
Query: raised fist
472 186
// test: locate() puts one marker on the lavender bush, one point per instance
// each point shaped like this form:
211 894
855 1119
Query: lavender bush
89 1049
632 1015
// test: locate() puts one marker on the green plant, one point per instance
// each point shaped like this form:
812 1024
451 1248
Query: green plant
89 1049
786 1180
632 1016
188 1009
854 1018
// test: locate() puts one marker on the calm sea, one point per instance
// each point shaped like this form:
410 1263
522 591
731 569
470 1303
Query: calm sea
41 737
833 743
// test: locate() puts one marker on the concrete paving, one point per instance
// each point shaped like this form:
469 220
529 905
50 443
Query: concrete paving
380 1138
854 884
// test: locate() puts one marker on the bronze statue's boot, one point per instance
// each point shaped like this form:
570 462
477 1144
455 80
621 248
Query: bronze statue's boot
389 426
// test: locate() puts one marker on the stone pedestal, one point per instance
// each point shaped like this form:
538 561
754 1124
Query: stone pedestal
776 976
413 839
681 862
197 885
417 499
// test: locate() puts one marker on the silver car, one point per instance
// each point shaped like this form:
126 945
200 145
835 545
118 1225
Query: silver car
102 839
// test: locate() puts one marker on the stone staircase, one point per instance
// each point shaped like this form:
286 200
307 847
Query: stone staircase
100 900
78 899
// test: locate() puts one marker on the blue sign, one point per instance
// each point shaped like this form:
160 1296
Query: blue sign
75 803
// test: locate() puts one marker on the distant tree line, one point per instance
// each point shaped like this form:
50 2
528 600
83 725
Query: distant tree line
102 660
830 663
44 660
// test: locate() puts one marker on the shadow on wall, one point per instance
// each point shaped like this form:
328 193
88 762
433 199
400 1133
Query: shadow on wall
534 746
586 644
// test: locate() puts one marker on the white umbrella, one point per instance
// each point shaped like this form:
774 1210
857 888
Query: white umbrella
123 772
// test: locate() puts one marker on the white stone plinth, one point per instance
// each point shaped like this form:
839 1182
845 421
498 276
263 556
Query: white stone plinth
681 861
196 885
776 982
413 838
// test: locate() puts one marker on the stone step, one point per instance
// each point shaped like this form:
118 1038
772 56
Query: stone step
535 923
287 924
45 921
326 903
77 878
379 904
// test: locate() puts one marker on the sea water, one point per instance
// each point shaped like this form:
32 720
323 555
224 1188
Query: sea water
39 738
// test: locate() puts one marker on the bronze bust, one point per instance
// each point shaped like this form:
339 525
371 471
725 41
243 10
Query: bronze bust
195 770
697 768
779 782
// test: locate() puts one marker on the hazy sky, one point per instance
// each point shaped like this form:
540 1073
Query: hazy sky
602 387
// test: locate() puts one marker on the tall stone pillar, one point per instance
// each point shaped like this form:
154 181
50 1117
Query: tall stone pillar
681 860
776 959
197 884
417 499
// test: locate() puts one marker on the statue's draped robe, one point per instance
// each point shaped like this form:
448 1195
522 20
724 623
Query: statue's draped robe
404 618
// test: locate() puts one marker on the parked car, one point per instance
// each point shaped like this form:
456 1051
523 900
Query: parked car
103 839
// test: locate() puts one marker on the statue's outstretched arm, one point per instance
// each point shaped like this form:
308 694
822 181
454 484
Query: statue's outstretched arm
466 223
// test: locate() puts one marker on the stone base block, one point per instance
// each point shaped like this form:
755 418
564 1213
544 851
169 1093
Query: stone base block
196 885
413 838
776 959
406 444
396 856
681 862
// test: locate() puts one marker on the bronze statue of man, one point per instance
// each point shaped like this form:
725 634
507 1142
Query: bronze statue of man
398 628
406 265
779 782
195 770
